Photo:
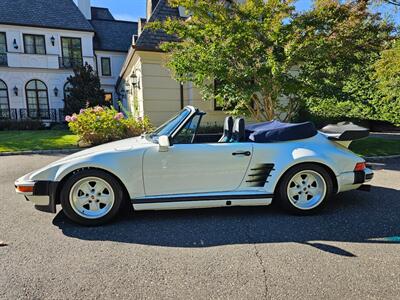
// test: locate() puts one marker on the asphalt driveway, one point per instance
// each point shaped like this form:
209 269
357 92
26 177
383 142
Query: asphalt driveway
351 250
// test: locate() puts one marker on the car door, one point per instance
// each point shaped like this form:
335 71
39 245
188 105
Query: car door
195 168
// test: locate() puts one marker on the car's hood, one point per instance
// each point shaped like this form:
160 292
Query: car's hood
48 172
122 145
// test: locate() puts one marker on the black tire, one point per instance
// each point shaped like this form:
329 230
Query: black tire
282 196
72 214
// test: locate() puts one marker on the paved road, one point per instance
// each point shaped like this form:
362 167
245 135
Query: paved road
351 251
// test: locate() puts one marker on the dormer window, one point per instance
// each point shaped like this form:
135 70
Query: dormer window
34 44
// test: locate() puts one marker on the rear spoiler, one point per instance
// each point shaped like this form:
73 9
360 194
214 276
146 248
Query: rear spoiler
344 132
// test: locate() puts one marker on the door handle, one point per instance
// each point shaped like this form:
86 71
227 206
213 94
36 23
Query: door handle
245 153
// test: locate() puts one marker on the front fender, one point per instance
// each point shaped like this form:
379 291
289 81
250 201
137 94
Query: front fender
125 165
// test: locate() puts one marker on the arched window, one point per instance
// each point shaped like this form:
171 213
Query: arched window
67 91
4 101
37 99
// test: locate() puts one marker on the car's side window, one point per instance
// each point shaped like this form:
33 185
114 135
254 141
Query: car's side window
187 134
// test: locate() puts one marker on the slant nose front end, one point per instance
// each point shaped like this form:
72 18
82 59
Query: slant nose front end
40 193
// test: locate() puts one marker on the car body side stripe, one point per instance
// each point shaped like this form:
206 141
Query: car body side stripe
199 198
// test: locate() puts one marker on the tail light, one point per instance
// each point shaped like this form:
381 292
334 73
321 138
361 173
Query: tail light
360 166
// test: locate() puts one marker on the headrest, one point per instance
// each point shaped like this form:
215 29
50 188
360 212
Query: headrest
227 134
228 125
239 134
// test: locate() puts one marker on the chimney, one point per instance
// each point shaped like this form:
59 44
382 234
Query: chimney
84 6
141 23
150 6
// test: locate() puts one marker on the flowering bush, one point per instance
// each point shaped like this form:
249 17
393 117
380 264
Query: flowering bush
98 125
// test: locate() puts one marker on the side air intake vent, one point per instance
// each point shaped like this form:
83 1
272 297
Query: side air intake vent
259 174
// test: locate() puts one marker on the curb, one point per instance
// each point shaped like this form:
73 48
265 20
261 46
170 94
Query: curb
59 151
381 157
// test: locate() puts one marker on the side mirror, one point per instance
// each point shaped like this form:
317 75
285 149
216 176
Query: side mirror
163 142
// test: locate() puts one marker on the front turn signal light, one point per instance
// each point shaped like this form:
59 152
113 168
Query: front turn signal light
25 189
360 166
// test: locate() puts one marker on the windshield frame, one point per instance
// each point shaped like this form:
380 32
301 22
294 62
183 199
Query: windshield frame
189 121
153 136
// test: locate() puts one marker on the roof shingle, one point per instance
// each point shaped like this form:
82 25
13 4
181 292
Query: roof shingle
62 14
151 39
114 35
101 13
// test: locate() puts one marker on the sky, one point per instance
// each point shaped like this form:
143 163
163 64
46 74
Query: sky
131 10
128 10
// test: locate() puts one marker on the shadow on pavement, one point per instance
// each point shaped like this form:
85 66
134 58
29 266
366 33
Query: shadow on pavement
356 217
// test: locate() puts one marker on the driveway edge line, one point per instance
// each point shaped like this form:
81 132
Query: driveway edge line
58 151
381 157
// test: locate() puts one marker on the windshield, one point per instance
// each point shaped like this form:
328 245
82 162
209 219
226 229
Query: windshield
168 127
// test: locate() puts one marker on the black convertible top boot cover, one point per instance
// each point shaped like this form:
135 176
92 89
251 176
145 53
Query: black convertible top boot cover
275 131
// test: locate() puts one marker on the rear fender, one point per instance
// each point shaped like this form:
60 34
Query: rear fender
335 161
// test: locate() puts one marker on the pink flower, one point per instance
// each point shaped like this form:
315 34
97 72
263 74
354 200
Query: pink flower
118 116
74 118
67 118
81 111
98 109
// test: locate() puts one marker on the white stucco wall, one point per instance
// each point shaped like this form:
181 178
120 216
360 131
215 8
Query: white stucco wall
18 77
108 82
23 67
133 97
17 57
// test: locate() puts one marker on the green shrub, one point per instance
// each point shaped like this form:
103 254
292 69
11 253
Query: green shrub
100 125
59 126
387 73
21 125
210 128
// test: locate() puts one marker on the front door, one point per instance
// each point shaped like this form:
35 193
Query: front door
195 168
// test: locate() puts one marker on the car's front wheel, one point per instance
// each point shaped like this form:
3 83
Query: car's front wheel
91 197
305 189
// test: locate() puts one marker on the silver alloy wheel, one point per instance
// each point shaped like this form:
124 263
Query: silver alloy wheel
306 189
91 197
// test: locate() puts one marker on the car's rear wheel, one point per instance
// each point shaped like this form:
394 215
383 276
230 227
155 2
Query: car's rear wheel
91 197
305 189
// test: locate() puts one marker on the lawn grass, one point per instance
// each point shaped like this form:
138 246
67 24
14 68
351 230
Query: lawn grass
11 141
373 146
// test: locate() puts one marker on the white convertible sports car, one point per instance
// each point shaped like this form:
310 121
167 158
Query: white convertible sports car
174 167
